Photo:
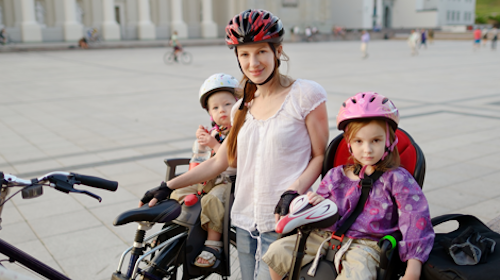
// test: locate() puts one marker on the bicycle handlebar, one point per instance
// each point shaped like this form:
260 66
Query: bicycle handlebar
96 182
61 181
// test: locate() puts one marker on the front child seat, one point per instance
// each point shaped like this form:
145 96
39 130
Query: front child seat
412 159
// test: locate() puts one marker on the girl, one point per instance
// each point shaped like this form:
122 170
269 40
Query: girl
217 96
277 142
395 202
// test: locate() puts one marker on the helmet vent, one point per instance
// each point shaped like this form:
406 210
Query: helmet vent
353 101
343 104
385 100
371 100
266 16
363 95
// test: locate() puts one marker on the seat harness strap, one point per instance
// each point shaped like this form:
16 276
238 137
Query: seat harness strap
338 236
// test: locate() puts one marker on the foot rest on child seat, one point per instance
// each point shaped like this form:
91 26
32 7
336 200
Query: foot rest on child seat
164 211
321 215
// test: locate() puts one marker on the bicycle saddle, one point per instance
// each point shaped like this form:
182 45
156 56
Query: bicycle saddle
321 215
164 211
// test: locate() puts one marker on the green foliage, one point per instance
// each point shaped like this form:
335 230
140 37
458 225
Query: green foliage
488 11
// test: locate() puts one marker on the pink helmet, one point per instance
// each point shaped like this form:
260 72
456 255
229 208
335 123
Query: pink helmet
370 105
367 105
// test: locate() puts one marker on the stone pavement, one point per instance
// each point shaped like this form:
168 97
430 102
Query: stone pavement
117 113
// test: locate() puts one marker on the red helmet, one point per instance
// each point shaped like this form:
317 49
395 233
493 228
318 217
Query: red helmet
254 26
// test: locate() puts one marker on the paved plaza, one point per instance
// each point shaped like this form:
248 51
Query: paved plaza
119 113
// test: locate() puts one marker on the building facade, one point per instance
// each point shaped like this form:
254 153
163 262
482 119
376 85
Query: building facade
369 14
70 20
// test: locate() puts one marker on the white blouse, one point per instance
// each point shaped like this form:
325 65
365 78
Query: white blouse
272 154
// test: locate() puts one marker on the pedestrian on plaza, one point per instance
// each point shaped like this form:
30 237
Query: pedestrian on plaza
277 141
494 40
477 39
484 34
308 33
365 39
413 42
3 36
82 43
423 39
431 36
395 203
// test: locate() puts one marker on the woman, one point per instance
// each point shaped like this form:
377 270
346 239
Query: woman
277 142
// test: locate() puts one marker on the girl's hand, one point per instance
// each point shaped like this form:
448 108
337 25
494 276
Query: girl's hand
314 198
413 270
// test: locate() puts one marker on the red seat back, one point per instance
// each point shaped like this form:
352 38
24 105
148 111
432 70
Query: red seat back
412 157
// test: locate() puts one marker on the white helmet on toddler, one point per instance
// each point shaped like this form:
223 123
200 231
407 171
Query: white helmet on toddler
217 82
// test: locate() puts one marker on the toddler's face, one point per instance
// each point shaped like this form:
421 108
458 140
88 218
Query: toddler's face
368 145
219 107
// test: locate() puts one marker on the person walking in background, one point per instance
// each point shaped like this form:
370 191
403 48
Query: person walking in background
494 33
365 38
431 36
484 34
423 39
413 42
477 39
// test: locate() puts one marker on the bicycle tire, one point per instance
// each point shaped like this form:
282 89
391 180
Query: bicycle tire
168 58
234 262
186 58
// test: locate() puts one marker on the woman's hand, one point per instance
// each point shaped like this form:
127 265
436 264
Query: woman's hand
314 198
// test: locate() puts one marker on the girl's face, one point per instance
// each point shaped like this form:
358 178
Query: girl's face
257 61
368 145
219 107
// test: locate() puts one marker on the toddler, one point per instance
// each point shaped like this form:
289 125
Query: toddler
217 96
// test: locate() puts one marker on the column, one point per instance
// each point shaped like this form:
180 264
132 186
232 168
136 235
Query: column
30 29
145 28
380 13
178 23
73 30
208 26
110 28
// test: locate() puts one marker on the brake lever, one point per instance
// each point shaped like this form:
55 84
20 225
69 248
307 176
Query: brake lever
65 184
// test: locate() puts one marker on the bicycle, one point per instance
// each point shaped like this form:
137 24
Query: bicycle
61 181
183 56
171 252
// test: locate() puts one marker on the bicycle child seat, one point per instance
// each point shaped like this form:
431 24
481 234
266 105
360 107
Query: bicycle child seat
302 213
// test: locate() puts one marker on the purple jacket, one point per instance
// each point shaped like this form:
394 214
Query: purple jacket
381 216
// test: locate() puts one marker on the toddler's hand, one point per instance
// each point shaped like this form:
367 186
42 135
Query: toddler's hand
314 198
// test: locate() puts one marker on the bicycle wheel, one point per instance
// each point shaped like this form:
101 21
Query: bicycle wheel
168 58
186 57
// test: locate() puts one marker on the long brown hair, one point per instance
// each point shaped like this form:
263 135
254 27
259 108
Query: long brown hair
391 161
249 89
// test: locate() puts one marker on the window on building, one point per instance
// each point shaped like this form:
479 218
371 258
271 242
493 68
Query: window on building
458 15
447 15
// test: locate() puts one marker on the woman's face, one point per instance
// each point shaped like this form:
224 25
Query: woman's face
257 61
368 145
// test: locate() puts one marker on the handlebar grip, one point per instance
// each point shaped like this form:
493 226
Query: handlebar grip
96 182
